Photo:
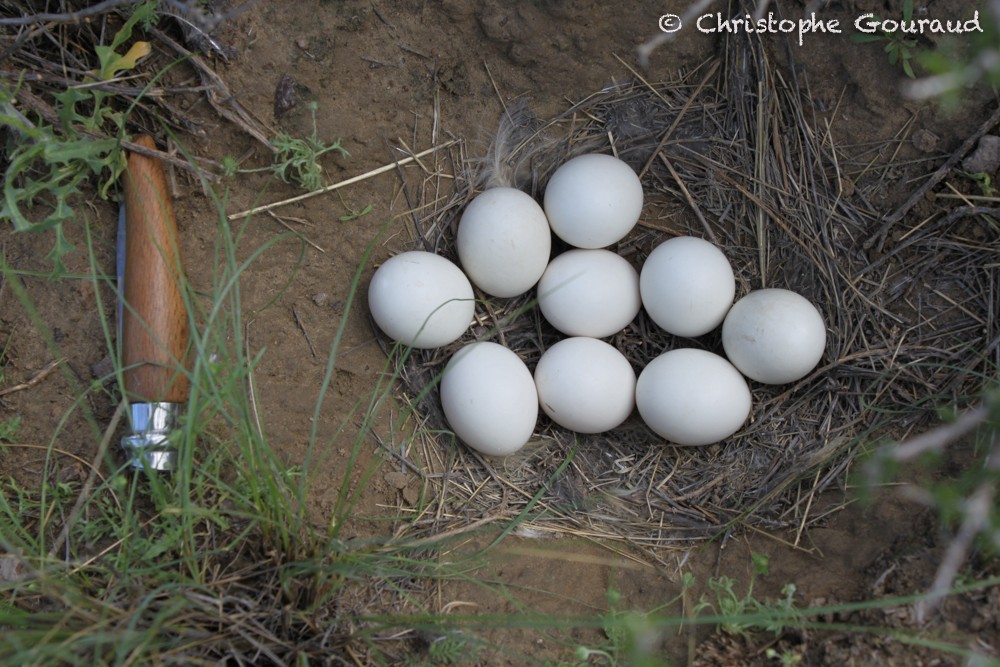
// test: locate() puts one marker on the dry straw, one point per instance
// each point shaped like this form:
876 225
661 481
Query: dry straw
734 153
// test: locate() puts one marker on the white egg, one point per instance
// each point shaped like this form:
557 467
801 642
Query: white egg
692 397
504 242
774 336
593 200
589 293
687 286
585 385
489 398
421 299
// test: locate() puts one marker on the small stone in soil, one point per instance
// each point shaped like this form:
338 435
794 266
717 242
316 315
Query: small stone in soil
285 96
986 158
103 369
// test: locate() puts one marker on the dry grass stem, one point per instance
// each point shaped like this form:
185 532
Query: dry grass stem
33 379
336 186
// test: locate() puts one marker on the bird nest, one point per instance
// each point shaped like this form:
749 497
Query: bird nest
731 153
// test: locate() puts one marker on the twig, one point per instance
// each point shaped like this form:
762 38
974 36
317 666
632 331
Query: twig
67 17
287 226
108 5
89 483
302 328
34 379
336 186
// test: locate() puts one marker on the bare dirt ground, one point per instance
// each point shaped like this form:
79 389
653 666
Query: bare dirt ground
420 73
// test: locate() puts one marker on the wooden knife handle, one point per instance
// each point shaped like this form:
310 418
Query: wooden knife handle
154 317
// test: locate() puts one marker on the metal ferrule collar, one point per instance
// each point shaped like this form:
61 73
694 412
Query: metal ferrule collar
149 446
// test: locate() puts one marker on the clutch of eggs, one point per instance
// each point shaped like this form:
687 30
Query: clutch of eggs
686 285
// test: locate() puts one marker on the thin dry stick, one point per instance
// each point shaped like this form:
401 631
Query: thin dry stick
65 17
759 159
302 328
107 5
218 93
89 483
302 236
336 186
35 378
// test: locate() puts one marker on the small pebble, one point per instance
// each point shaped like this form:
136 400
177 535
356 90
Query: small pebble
285 96
103 369
321 299
986 158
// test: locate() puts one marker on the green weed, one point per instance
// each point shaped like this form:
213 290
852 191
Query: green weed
47 165
354 215
983 182
296 160
958 465
771 616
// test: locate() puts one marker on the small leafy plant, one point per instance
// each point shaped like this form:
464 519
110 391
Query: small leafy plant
296 160
983 182
747 613
899 48
632 635
966 501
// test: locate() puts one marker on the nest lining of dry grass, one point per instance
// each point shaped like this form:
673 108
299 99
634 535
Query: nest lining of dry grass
731 152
